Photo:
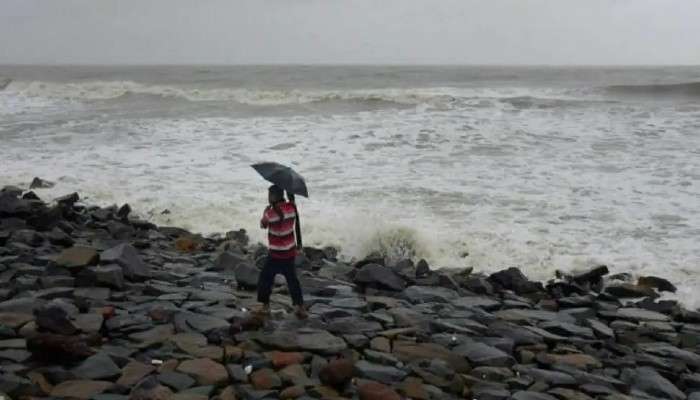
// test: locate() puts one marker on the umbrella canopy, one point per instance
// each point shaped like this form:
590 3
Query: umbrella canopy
282 176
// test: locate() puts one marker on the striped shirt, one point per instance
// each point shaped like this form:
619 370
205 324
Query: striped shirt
280 232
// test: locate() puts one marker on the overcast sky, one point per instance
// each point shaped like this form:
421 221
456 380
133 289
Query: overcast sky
350 31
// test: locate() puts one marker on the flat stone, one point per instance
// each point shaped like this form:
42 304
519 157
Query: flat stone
409 352
134 372
77 256
484 355
567 329
205 371
568 394
528 395
306 340
522 315
16 355
647 380
80 389
295 374
15 320
176 380
638 314
669 351
476 301
583 361
110 275
379 373
99 366
128 258
353 325
628 290
282 359
601 330
265 379
380 276
377 391
428 294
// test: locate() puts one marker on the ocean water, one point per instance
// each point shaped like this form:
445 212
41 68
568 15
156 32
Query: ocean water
490 167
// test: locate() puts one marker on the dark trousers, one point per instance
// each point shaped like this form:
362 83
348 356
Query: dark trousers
273 267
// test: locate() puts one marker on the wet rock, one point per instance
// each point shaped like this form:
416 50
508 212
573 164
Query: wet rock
77 256
134 372
97 367
176 380
306 340
628 290
205 371
638 314
655 282
337 373
150 389
379 373
380 277
55 319
426 294
265 379
528 395
513 279
649 381
80 389
128 258
377 391
484 355
38 183
567 329
422 268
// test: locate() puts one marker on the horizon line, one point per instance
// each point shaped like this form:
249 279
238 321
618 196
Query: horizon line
497 65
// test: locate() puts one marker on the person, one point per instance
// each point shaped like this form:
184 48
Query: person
279 218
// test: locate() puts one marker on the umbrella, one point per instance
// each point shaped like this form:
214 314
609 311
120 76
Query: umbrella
282 176
289 180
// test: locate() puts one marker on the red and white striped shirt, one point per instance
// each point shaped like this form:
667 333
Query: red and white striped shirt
280 232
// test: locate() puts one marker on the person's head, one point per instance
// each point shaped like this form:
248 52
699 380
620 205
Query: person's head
275 194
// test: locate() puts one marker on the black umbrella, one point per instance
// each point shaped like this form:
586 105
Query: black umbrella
289 180
282 176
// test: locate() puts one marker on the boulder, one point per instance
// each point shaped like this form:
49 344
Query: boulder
337 373
379 276
654 282
80 389
55 319
77 256
205 371
513 279
128 258
427 294
97 367
628 290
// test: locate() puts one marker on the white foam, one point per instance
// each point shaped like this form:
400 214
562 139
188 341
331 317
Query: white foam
543 189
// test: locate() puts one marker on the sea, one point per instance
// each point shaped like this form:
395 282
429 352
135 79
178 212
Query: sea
541 168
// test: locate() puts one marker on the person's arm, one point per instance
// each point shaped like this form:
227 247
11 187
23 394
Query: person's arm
264 222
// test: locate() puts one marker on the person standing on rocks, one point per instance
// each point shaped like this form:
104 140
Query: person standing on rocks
279 218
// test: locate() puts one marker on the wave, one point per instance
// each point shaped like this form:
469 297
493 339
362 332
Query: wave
115 90
686 89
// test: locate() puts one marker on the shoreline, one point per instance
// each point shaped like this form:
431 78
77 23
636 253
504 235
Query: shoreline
95 304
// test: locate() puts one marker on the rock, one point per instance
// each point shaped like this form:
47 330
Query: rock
553 378
638 314
513 279
247 276
484 355
80 389
128 258
582 361
593 277
667 350
295 375
228 261
380 277
150 389
628 290
528 395
476 301
426 294
377 391
53 318
68 200
134 372
124 211
422 268
380 373
29 237
413 388
59 238
647 380
567 329
265 379
282 359
292 392
176 380
409 352
654 282
11 206
38 183
97 367
77 256
59 347
205 371
337 373
307 340
109 275
601 330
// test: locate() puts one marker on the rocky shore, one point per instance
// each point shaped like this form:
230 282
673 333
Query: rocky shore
96 304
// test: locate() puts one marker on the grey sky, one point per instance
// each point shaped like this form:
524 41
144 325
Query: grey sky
351 31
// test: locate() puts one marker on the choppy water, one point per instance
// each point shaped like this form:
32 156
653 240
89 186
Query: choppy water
543 168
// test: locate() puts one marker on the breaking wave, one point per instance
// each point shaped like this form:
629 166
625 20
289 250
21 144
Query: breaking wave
686 89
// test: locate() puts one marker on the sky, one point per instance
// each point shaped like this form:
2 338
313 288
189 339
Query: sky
534 32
